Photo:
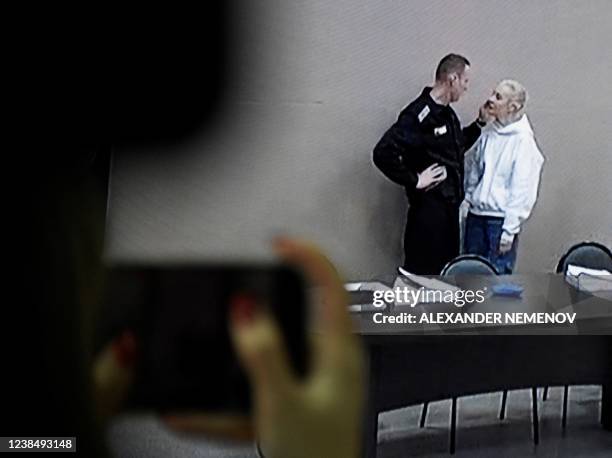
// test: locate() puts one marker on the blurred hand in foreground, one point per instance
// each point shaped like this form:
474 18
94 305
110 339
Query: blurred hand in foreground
319 416
113 374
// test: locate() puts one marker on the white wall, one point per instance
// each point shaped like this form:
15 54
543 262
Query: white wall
317 83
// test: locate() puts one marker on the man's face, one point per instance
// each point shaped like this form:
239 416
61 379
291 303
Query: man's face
500 102
459 83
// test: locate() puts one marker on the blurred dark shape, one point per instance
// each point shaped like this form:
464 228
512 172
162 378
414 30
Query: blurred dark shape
136 77
84 81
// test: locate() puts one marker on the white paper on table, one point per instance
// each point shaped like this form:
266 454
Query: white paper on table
373 286
575 270
352 286
361 308
366 286
403 286
428 283
589 280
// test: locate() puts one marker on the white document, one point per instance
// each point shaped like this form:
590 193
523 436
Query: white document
373 286
406 296
352 286
428 283
589 280
365 308
366 286
577 270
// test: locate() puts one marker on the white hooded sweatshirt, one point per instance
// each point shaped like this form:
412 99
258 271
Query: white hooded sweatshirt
503 171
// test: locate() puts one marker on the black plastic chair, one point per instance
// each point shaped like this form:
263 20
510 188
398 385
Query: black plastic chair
586 254
592 255
466 264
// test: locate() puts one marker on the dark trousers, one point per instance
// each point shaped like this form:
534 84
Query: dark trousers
431 238
482 236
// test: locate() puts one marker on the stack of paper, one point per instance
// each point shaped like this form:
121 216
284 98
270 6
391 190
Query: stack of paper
425 284
589 280
428 283
405 297
361 287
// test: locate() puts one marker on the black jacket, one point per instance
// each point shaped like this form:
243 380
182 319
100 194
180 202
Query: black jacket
426 133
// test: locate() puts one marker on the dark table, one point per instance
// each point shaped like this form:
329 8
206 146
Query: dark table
412 364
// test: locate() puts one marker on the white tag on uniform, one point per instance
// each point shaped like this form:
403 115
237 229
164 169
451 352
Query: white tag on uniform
423 114
440 130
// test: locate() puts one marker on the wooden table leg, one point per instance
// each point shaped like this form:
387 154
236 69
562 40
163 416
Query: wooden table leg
606 406
370 433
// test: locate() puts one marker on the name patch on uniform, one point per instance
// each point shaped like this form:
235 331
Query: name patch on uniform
440 131
423 114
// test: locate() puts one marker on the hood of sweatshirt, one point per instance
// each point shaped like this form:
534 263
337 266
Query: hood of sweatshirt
521 126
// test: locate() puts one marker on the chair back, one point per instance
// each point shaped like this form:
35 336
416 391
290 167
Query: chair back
592 255
470 264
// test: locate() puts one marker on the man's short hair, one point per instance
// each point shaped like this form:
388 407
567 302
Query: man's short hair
452 63
518 93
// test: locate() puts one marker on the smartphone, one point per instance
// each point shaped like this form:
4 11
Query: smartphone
180 313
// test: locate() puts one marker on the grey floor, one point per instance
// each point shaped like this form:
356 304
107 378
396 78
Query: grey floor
479 433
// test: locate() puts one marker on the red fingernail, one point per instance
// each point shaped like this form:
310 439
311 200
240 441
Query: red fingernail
242 308
124 348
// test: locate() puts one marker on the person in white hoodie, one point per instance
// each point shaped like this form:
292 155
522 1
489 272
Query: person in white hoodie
502 177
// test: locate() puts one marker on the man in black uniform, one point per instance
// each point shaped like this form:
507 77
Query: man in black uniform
423 151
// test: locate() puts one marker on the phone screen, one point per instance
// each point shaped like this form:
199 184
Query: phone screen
180 314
